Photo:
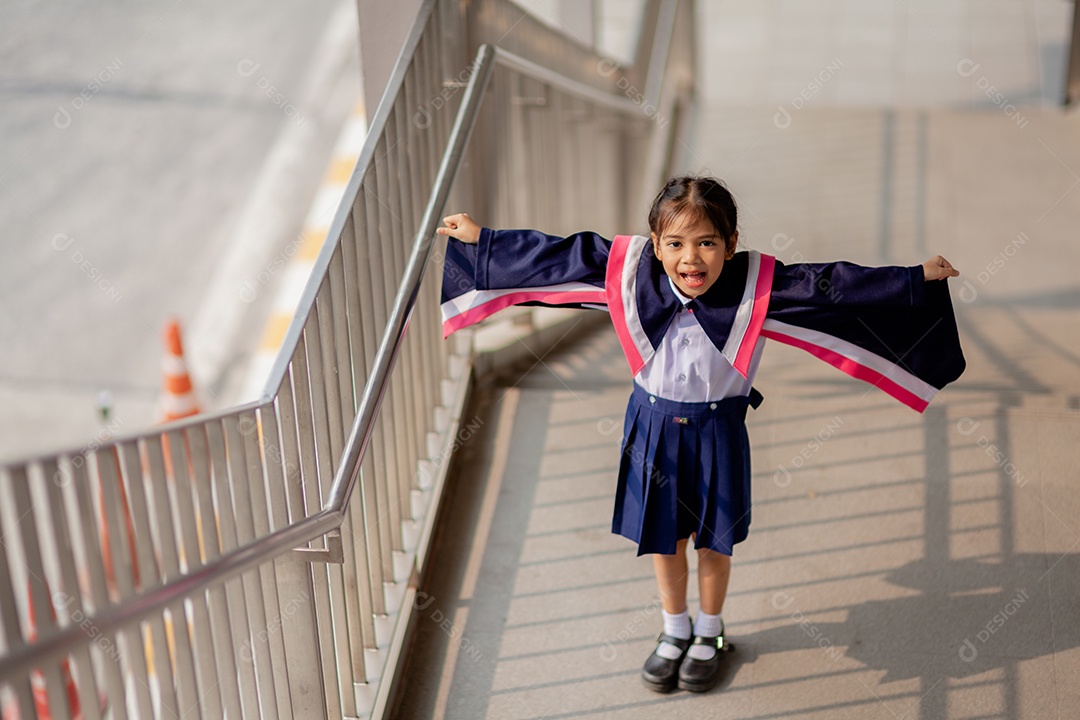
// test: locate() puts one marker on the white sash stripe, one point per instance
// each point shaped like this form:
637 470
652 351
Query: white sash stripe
746 308
475 298
856 354
629 296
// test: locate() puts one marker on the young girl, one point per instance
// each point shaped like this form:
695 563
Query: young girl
691 315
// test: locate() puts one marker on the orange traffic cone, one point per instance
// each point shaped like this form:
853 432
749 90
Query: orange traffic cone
177 401
177 394
37 678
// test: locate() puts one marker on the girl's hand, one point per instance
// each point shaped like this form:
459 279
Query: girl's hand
462 227
938 268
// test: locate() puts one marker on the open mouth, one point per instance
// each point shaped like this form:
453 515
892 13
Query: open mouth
693 280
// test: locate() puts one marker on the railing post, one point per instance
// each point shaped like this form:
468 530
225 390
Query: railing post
1072 81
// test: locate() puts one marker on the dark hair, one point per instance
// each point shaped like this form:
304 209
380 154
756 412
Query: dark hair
703 197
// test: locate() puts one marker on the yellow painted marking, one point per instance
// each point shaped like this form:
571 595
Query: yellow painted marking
341 169
312 238
148 649
311 243
274 333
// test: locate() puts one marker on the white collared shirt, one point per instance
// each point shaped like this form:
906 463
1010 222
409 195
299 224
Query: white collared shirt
687 367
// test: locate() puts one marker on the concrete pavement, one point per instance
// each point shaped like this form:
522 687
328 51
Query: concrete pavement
134 138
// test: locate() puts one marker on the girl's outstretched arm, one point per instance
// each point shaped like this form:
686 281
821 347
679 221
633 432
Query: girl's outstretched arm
938 268
461 227
486 270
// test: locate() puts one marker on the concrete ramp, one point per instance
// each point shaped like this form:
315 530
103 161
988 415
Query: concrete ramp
899 565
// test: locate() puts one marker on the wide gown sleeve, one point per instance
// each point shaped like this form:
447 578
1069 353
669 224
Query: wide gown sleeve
521 267
884 325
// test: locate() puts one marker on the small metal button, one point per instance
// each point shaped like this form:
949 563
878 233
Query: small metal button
652 399
712 406
682 377
686 341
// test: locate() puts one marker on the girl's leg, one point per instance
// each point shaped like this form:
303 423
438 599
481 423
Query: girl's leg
701 668
661 669
671 574
714 571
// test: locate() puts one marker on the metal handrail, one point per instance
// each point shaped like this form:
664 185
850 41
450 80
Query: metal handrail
360 434
331 516
567 85
486 57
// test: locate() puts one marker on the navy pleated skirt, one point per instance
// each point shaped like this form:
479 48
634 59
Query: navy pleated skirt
685 469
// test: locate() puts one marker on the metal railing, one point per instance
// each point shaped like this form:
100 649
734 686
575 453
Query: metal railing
215 567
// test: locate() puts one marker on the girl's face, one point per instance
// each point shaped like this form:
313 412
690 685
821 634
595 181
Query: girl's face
692 253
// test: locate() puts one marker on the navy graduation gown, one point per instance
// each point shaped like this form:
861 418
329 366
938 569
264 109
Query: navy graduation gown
883 325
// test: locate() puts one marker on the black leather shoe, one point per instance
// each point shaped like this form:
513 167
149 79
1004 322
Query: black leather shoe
661 674
702 675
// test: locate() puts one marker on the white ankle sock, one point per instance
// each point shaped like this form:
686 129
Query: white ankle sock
706 625
677 626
